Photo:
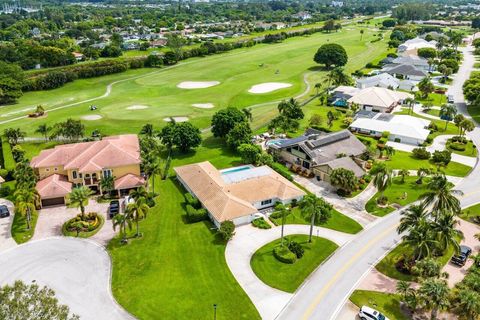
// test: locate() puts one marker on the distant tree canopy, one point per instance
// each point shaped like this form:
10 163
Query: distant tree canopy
389 23
412 11
331 54
427 53
476 23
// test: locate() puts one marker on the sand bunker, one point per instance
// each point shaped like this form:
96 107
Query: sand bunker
197 84
92 117
268 87
203 105
177 119
137 107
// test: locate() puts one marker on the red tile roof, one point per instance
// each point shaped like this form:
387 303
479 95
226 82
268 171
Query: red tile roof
54 186
111 152
129 181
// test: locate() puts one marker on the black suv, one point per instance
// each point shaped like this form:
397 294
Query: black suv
113 208
4 211
461 258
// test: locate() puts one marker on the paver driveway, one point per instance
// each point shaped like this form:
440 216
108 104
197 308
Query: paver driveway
6 240
78 270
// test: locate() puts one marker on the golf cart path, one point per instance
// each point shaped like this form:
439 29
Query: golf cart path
78 270
246 242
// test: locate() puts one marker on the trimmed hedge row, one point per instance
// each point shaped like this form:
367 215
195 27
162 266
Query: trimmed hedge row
261 223
191 200
282 170
196 215
283 254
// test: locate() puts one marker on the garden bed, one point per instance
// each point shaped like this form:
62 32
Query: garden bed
88 225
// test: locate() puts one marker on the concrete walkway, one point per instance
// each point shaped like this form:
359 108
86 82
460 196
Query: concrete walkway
79 271
439 143
247 240
351 207
6 240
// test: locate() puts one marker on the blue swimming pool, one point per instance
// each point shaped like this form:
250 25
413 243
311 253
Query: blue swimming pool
275 142
236 169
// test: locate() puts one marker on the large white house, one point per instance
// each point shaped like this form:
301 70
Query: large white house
402 128
378 99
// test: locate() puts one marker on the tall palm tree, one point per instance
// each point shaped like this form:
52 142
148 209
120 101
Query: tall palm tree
122 221
441 196
79 197
448 112
445 229
389 151
422 173
409 102
422 239
284 212
468 303
411 217
315 209
435 295
138 210
25 203
403 173
107 184
148 130
138 193
156 168
43 129
382 180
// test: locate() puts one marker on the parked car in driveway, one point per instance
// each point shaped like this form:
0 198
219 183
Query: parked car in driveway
113 208
4 211
367 313
461 258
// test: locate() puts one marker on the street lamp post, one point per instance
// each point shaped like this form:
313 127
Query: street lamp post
214 311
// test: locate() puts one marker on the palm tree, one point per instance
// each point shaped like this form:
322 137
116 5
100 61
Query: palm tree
13 135
431 62
361 34
138 210
284 212
248 114
24 176
466 125
435 295
422 173
389 151
156 168
315 209
148 130
409 102
448 112
122 220
411 217
468 303
79 197
138 193
421 238
25 203
317 88
446 233
107 184
43 129
382 180
403 173
339 77
409 296
441 196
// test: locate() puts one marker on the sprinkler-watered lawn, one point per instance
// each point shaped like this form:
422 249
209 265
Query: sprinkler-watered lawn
157 94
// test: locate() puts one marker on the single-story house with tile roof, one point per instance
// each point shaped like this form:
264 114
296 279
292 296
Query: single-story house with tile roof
320 153
405 71
379 99
382 80
415 44
236 194
402 128
84 164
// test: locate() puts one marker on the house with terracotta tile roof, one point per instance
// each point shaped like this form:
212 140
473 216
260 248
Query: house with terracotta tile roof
84 164
238 193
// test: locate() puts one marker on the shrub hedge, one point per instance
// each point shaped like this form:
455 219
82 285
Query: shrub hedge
458 146
261 223
283 254
191 200
195 215
282 170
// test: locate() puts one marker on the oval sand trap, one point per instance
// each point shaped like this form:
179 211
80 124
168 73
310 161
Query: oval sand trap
203 105
197 84
177 119
137 107
268 87
92 117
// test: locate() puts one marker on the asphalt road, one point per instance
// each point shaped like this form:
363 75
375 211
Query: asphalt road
329 287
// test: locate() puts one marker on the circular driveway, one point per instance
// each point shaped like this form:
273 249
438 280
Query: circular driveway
78 270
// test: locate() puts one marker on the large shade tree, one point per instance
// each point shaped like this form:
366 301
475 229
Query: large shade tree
331 54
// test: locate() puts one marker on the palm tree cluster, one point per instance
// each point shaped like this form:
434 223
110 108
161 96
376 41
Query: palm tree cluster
26 196
135 211
431 227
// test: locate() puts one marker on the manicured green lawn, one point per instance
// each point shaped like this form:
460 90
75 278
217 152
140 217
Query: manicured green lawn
433 112
338 221
288 277
470 212
386 303
176 270
470 150
435 98
19 230
387 265
474 111
236 71
396 194
405 160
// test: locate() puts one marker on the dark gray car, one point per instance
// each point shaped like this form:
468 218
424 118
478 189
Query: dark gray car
4 211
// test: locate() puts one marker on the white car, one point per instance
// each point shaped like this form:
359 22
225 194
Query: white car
367 313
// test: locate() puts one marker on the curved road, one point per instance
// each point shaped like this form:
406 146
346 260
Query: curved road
78 270
329 287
